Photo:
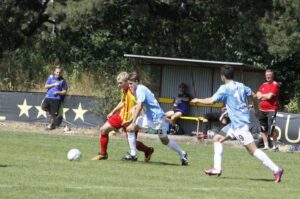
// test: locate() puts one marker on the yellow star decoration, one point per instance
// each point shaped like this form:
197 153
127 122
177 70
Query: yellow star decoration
79 112
64 112
41 112
24 108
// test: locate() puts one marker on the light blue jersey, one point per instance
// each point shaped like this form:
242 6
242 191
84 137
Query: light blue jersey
234 96
153 110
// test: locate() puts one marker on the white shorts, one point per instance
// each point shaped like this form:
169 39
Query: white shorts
160 125
242 134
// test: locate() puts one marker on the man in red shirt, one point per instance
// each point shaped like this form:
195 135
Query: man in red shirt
268 95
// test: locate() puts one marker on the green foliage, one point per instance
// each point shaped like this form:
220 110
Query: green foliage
281 26
89 37
292 106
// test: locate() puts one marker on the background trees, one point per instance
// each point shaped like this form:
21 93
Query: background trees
89 38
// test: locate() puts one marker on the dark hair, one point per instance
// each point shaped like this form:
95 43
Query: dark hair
227 71
182 85
134 77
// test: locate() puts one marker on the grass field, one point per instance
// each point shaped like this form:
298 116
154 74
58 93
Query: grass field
35 166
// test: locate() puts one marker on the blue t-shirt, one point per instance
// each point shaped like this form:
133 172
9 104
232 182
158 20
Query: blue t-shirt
234 95
62 86
153 110
182 106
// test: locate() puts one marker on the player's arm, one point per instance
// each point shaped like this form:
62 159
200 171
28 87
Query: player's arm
135 114
137 111
251 100
63 92
186 99
116 109
222 116
207 101
49 85
266 96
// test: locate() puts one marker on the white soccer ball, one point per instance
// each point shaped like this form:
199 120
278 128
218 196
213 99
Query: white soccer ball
74 154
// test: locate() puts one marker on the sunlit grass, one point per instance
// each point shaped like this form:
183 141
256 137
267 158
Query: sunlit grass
35 166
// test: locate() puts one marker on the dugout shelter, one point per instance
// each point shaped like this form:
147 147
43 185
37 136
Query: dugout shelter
201 76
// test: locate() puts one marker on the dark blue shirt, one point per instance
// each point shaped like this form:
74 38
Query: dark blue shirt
182 106
62 86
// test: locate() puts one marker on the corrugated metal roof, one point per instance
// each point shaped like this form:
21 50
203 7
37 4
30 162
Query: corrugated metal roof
155 60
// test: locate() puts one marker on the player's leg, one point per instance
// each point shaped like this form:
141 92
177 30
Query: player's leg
53 111
246 139
114 122
212 116
263 120
103 141
163 128
168 115
272 131
218 152
148 151
45 105
175 116
132 142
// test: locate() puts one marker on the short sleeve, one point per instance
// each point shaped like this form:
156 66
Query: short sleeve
220 95
65 85
248 91
49 80
140 95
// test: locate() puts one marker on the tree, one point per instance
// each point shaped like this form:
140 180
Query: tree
281 26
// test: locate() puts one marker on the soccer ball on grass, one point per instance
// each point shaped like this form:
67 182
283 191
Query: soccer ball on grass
74 155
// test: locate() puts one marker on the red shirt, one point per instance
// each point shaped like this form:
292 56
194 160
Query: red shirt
271 104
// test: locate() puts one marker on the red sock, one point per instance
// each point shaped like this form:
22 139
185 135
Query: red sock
103 143
141 147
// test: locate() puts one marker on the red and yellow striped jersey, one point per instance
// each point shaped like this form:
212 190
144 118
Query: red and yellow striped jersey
129 100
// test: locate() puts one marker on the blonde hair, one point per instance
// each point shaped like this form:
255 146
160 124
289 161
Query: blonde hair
122 76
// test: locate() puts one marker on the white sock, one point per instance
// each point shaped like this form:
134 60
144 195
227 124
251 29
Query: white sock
266 160
266 144
218 147
173 145
132 143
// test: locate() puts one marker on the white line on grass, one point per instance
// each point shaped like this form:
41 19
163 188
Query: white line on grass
135 188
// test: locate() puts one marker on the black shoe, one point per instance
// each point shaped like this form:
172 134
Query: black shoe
184 159
129 157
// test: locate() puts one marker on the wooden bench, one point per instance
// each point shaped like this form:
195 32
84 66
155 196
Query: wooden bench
198 119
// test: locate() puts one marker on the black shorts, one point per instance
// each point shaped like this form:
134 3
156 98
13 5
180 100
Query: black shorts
267 121
215 116
52 105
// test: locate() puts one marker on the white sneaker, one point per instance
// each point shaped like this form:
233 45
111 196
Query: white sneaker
275 148
266 148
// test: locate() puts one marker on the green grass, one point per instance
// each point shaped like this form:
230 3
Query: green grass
35 166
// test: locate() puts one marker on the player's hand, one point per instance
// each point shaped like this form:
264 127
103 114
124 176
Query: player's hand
131 127
258 95
194 101
126 123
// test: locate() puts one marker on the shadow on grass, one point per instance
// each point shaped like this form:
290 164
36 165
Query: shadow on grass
162 163
4 165
253 179
150 163
142 162
262 179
